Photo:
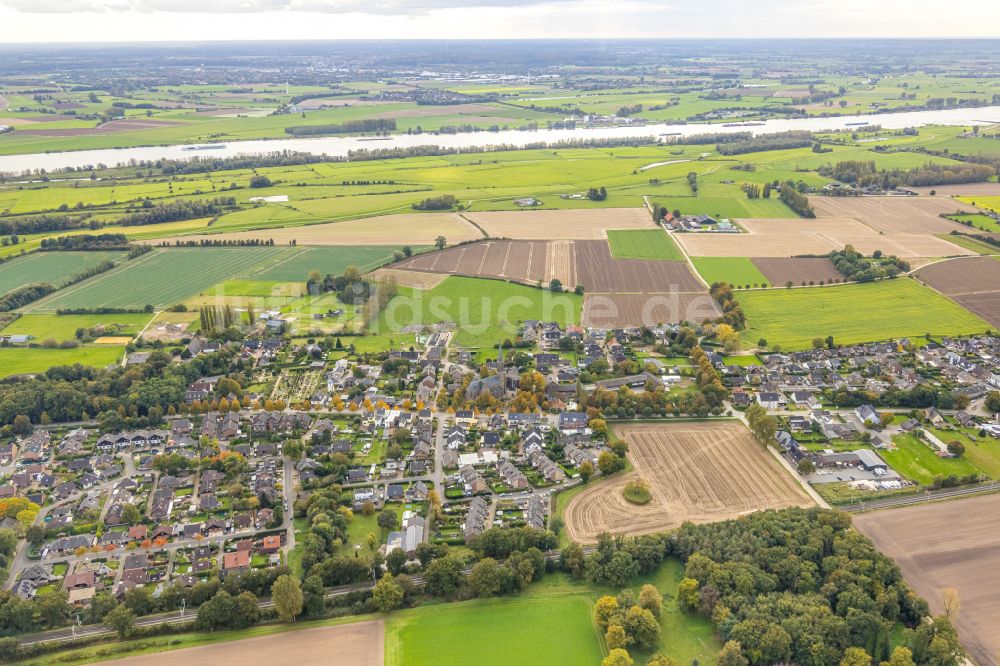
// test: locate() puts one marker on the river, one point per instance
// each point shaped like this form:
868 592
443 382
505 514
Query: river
340 146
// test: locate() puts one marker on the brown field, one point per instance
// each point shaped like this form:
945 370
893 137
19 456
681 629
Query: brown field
113 340
781 270
650 309
598 271
406 228
784 237
590 224
358 644
411 279
696 471
973 283
969 189
951 544
894 215
586 262
521 261
110 127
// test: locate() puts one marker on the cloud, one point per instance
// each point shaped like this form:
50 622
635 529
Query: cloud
383 7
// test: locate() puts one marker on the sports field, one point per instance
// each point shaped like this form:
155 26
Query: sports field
643 244
18 360
738 271
52 267
159 278
528 631
899 308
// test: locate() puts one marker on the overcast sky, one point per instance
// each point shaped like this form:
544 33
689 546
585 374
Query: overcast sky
142 20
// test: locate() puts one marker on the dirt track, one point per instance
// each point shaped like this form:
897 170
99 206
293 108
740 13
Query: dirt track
951 544
358 644
696 471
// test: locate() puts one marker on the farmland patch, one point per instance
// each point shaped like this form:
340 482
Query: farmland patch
696 471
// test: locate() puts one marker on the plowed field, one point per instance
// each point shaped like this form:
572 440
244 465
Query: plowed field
696 471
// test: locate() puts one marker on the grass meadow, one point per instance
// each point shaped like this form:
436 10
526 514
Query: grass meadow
918 462
21 360
643 244
854 313
63 327
733 270
486 312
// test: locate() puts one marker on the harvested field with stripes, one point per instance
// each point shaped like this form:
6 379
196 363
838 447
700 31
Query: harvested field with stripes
520 261
560 224
586 262
973 283
789 238
797 270
894 215
598 271
696 471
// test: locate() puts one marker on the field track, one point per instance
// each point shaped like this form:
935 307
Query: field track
696 471
952 544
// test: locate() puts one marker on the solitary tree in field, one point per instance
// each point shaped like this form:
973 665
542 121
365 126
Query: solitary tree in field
440 242
951 602
287 596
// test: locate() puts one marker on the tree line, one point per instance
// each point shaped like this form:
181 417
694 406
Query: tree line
346 127
795 200
782 141
177 210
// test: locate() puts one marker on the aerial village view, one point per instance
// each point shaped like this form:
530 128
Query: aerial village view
631 351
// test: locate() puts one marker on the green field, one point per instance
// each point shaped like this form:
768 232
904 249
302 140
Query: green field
918 462
979 221
984 452
64 327
733 270
327 260
793 318
643 244
160 278
52 267
528 631
486 312
15 361
970 243
727 207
